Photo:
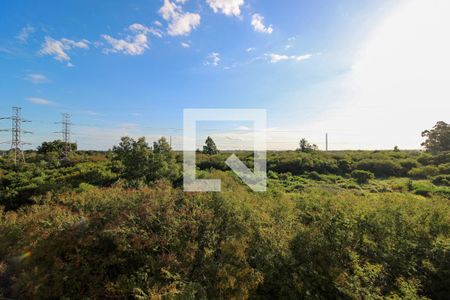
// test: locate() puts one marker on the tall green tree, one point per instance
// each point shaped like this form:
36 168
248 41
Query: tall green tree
164 164
305 146
438 138
135 157
210 147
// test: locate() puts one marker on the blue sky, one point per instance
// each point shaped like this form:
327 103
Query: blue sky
131 67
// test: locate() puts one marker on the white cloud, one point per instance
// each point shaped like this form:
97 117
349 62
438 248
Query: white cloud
83 44
213 59
59 48
157 23
139 28
185 45
275 58
180 23
227 7
24 34
40 101
133 44
36 78
250 49
258 24
183 24
169 10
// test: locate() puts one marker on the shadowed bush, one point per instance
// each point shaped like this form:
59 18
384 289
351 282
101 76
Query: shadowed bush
159 242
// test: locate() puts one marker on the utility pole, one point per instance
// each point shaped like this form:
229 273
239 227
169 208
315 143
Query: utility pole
326 142
16 133
65 134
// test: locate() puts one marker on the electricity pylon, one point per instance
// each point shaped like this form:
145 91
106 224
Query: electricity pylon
65 134
16 133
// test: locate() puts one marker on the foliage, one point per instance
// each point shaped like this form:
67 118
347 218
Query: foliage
305 146
135 157
442 180
210 147
142 164
438 138
423 172
362 176
164 164
55 146
117 225
381 168
159 242
25 185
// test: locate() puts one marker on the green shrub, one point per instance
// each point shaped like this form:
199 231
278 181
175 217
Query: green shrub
423 188
444 169
380 168
408 164
441 158
344 166
423 172
314 176
212 162
442 180
361 176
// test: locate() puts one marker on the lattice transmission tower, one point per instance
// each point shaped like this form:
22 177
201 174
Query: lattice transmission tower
16 133
65 134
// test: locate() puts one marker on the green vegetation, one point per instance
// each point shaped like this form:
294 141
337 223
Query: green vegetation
55 146
362 176
438 138
210 147
305 146
332 225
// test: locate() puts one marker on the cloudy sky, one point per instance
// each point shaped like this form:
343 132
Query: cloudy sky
373 74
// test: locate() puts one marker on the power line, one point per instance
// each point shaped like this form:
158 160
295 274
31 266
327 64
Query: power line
16 133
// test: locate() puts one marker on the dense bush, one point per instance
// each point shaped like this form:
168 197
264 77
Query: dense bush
381 168
206 162
444 169
361 176
117 225
407 165
437 159
299 163
423 172
344 166
163 243
21 186
442 180
379 238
